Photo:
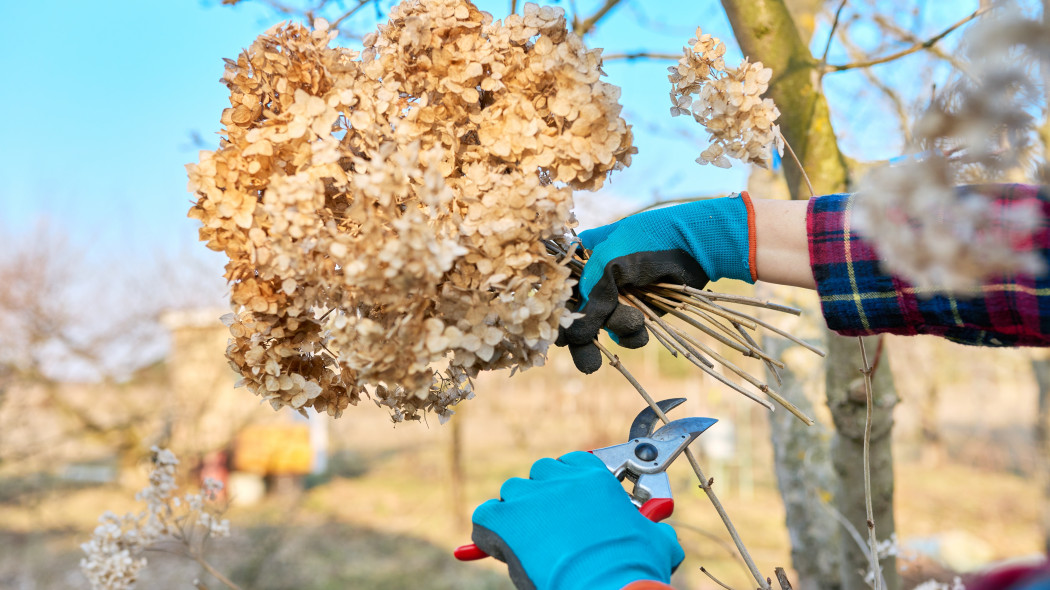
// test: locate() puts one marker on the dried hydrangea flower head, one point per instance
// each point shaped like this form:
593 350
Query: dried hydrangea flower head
727 102
980 130
383 212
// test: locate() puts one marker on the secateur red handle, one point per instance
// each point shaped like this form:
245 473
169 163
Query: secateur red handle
656 509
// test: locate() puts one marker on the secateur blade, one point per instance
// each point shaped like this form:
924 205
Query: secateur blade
654 453
644 461
646 421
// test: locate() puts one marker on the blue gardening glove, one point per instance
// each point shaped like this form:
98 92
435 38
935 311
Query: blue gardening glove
571 526
687 244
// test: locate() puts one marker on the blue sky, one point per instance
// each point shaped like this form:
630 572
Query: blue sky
102 101
105 102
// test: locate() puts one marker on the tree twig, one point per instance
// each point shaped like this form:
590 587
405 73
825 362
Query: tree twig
909 37
872 538
360 4
802 169
785 583
214 572
849 528
894 97
907 51
680 525
714 579
831 34
640 55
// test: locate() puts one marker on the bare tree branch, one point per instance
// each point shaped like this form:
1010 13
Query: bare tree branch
903 117
360 4
584 27
831 34
641 55
909 37
908 51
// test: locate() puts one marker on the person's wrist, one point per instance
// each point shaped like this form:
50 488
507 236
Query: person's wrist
782 244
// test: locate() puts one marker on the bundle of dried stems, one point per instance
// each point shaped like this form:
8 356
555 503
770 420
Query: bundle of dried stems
705 312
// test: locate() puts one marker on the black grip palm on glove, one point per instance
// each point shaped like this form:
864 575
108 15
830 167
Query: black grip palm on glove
688 244
604 308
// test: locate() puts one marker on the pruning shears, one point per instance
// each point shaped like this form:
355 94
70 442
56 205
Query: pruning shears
642 460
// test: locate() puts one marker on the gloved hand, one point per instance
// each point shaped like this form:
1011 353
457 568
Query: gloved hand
687 244
571 526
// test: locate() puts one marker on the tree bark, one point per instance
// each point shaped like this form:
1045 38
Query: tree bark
847 400
766 32
1041 360
1041 436
806 482
456 473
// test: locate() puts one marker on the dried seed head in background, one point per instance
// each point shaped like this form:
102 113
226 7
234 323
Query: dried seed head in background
114 555
728 103
383 212
980 129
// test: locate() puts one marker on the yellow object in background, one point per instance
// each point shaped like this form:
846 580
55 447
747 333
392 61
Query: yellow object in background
274 449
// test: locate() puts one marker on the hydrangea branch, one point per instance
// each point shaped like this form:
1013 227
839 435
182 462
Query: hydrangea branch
785 584
714 579
705 483
873 542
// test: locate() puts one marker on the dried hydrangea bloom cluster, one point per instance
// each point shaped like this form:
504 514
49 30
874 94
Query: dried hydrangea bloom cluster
727 102
114 554
980 130
383 212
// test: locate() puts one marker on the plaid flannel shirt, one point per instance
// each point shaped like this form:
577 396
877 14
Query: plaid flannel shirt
859 299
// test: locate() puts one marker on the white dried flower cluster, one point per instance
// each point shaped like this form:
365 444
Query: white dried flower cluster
728 103
383 212
941 237
925 230
985 119
114 554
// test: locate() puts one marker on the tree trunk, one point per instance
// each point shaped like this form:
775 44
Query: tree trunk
456 475
805 479
1041 436
847 400
1041 360
766 32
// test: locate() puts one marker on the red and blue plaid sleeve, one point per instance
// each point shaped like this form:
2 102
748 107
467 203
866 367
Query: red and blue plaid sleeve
858 298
